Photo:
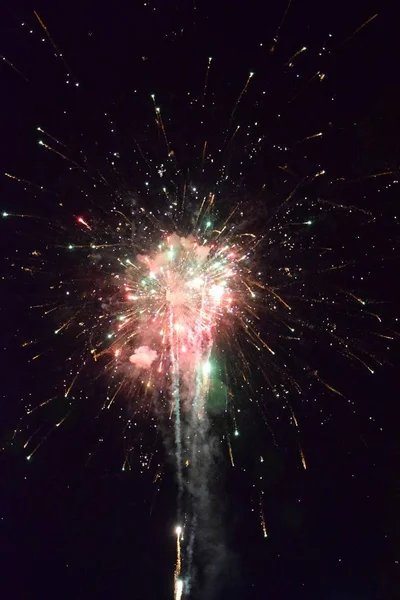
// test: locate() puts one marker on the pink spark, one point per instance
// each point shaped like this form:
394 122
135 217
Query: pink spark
82 221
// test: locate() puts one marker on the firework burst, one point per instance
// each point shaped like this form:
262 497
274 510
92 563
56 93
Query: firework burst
184 280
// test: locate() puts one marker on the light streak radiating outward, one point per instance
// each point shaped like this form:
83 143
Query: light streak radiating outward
262 520
10 64
244 90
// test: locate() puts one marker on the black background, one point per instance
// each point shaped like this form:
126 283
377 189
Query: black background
77 529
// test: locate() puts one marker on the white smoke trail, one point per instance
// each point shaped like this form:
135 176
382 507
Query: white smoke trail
175 391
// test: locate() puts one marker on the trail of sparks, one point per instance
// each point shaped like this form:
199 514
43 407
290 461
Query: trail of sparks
300 51
178 584
203 156
57 52
10 64
51 137
276 38
364 24
160 123
303 458
42 143
21 180
329 387
242 93
230 451
262 520
206 81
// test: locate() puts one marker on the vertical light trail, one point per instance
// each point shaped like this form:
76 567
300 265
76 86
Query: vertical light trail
178 584
177 409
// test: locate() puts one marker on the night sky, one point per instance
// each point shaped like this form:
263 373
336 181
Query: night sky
73 523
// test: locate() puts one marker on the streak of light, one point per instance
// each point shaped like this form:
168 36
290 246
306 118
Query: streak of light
44 145
360 300
30 437
329 387
82 221
375 315
10 64
115 394
54 45
315 135
289 63
27 343
74 380
142 154
178 565
234 133
294 417
262 520
50 136
206 81
303 458
66 324
253 332
230 451
364 24
364 178
361 361
42 441
386 337
279 298
159 121
276 38
246 85
21 180
318 74
31 410
163 130
126 464
203 155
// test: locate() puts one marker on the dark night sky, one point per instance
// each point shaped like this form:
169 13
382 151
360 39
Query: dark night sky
75 529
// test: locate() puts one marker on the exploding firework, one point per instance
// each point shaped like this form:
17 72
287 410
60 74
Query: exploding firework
185 283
